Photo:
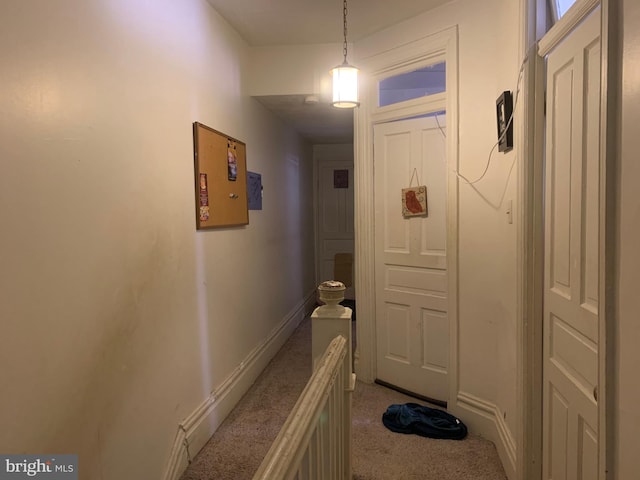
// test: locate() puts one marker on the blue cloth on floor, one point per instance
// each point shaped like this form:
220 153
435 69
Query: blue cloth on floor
423 421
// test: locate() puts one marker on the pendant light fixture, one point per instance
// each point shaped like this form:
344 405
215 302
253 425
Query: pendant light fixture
345 76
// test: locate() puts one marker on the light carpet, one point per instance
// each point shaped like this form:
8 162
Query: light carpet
237 448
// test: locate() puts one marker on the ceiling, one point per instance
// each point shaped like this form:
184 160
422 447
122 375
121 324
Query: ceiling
300 22
296 22
317 122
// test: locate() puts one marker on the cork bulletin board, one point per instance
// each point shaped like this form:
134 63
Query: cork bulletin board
220 179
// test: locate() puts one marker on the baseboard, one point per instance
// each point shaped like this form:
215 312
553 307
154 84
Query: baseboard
488 421
195 430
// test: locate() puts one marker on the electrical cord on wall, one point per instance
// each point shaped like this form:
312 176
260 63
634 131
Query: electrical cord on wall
509 122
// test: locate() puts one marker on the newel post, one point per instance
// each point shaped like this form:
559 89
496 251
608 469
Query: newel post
327 322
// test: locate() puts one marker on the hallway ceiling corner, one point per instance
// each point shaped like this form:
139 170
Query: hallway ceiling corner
300 22
306 22
319 123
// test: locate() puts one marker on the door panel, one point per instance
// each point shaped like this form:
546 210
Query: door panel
588 453
396 332
559 438
412 325
416 280
572 204
435 327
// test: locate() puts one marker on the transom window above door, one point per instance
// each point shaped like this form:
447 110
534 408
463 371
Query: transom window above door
418 83
560 7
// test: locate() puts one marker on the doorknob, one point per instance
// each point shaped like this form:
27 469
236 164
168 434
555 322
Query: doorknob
595 393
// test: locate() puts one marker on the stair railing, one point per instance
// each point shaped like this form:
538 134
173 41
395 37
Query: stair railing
315 441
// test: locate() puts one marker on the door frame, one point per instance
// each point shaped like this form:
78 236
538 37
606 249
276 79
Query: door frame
442 46
318 163
530 235
530 251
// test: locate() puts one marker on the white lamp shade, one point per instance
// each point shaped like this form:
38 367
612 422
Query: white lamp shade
345 86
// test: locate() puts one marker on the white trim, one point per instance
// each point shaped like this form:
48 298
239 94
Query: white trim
488 418
434 48
410 108
609 75
530 245
452 206
531 337
568 22
195 430
404 58
610 69
365 355
316 218
530 272
319 163
178 461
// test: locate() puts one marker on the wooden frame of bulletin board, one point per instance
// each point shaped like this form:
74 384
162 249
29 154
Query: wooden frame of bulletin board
220 179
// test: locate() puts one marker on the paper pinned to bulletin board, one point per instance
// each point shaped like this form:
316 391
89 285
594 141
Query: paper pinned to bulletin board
221 179
414 199
254 190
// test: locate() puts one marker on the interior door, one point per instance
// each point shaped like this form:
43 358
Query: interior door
412 326
570 369
335 222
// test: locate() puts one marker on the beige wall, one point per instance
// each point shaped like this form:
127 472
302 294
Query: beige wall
487 242
487 269
627 403
117 317
488 65
271 72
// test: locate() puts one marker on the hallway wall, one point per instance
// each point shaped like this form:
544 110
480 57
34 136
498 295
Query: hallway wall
488 40
118 319
312 75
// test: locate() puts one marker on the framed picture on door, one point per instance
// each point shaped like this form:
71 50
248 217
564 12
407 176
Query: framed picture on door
414 201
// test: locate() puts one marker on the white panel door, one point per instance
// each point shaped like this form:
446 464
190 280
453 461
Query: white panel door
335 217
570 370
412 326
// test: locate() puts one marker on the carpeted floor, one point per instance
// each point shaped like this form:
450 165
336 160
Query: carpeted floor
237 448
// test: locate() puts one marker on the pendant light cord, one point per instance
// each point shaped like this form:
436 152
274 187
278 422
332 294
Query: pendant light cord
344 17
